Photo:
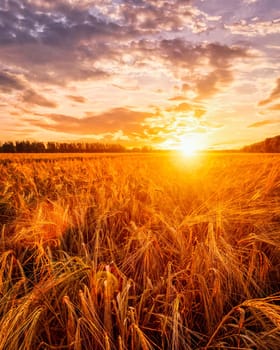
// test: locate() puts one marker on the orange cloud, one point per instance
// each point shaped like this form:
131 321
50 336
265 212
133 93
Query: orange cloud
79 99
275 94
110 121
177 98
275 107
182 107
263 122
213 82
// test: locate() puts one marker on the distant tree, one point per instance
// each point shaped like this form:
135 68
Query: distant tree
8 147
146 149
22 146
269 145
38 147
62 147
29 147
51 147
276 144
272 145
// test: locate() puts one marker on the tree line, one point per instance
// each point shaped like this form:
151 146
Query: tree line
58 147
269 145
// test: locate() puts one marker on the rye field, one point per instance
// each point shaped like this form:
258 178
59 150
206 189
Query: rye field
151 251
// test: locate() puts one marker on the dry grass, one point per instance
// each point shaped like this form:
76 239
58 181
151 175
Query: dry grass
140 252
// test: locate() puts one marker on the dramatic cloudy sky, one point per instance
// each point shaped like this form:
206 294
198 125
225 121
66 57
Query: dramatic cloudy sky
140 72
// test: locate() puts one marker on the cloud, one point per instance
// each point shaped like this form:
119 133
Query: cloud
61 24
156 15
177 98
66 41
9 82
31 97
224 55
181 108
199 112
211 83
110 121
186 87
256 28
220 58
55 44
263 122
275 94
127 88
79 99
202 67
121 52
187 54
250 1
275 107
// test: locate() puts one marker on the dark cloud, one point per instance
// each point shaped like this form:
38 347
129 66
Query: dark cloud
67 41
31 97
156 15
221 58
58 66
186 54
263 122
180 56
9 82
275 94
62 41
223 55
57 43
212 83
62 24
111 121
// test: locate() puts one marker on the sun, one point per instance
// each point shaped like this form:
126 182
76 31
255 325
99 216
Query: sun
188 150
190 145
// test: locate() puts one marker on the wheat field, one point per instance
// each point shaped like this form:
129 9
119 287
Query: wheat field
150 251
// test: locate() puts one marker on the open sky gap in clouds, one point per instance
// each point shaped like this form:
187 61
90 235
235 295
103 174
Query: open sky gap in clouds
140 72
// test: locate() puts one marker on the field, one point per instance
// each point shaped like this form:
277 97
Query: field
140 252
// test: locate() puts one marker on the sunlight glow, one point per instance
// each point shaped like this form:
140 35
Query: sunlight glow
188 150
190 145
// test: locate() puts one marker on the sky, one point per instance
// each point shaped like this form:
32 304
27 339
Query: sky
141 73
